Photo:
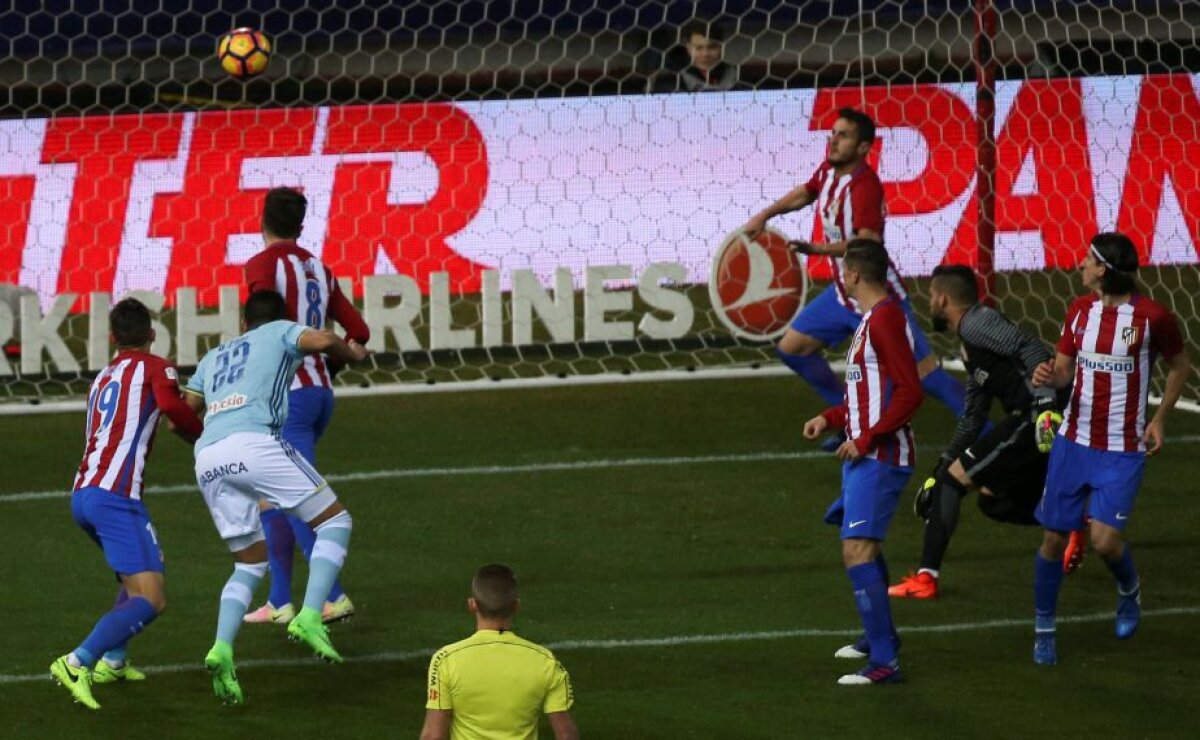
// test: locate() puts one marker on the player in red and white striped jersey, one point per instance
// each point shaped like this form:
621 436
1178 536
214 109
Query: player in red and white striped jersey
883 391
1108 346
123 409
313 295
849 203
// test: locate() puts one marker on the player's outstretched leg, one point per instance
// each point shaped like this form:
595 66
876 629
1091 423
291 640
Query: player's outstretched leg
328 556
219 663
76 679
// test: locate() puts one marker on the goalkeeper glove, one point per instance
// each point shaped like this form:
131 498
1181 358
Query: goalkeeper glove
1045 429
801 247
924 499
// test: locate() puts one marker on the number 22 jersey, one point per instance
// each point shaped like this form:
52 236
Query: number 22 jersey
245 381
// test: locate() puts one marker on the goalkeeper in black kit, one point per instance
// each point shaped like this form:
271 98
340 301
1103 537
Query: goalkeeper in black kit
1006 463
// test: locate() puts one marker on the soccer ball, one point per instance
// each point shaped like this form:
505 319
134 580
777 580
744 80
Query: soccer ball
244 52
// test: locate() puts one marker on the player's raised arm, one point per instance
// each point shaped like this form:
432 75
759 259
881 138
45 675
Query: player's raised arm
797 198
315 341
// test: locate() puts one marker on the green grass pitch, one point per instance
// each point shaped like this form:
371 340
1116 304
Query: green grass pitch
693 594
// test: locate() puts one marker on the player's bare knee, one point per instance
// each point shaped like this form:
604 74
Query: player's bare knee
331 511
927 365
857 551
800 345
1107 542
1053 544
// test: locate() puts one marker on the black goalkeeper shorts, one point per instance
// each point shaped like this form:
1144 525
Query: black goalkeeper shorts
1006 460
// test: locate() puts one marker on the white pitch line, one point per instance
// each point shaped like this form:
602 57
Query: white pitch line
638 642
543 467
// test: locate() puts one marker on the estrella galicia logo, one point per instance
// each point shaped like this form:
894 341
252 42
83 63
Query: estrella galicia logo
757 286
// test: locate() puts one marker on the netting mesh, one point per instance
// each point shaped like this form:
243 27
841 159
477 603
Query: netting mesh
533 188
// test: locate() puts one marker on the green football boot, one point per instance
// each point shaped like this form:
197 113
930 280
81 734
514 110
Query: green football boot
219 663
307 628
76 680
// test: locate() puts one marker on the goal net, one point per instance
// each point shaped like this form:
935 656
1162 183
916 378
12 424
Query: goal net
536 190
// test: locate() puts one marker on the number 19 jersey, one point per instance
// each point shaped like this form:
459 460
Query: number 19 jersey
244 382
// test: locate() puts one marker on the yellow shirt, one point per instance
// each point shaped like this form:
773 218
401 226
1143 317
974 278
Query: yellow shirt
497 685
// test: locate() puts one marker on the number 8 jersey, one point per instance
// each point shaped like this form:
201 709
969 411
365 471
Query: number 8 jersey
312 294
244 382
124 404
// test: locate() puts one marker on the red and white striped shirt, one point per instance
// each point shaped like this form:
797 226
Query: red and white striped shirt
312 294
1114 348
124 404
847 204
883 389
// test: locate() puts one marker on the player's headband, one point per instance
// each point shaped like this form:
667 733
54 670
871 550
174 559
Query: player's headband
1100 258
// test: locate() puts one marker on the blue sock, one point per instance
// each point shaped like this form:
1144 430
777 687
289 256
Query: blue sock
870 595
117 655
816 371
306 538
1125 572
280 544
115 628
235 598
883 568
1047 578
328 555
946 388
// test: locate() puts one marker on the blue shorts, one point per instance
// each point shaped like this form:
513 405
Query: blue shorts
1077 476
828 321
309 412
870 492
122 529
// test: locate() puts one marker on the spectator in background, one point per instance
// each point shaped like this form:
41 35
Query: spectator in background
705 70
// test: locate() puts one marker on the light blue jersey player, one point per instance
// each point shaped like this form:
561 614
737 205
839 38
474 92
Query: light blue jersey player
241 459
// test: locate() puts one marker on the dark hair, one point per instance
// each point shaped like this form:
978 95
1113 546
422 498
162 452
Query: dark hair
129 322
958 282
263 307
494 589
861 121
1120 260
869 258
283 213
707 29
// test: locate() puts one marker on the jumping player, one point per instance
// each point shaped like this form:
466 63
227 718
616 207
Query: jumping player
849 201
240 459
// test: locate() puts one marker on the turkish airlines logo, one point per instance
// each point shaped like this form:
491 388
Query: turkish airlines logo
757 285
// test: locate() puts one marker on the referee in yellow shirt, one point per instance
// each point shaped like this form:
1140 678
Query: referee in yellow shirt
493 685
